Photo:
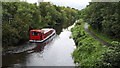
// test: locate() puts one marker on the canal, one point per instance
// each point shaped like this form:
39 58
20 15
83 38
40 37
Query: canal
57 51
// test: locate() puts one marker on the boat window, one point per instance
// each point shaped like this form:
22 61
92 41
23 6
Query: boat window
35 33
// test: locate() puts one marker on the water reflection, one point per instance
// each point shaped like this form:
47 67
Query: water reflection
10 59
58 29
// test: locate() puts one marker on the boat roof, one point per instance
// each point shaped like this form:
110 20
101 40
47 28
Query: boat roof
45 30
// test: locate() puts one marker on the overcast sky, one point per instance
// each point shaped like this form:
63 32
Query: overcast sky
78 4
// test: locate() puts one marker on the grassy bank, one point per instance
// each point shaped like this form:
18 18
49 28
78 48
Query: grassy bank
88 49
91 52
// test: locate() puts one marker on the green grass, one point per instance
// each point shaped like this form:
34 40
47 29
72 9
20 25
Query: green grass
89 50
101 35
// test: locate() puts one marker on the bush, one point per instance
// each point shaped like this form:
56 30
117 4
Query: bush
111 58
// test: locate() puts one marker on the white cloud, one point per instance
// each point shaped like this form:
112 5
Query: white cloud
78 4
31 1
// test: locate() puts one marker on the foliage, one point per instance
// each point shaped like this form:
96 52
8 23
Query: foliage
20 17
103 17
111 57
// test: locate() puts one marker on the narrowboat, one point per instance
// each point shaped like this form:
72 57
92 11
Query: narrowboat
40 35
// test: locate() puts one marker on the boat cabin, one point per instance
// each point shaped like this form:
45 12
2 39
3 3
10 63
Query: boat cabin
39 35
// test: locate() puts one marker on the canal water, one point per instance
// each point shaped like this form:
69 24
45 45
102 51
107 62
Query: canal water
56 51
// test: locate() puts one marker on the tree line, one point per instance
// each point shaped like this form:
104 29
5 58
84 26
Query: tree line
103 17
20 17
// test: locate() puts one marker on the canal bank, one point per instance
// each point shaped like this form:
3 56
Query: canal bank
55 52
89 52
